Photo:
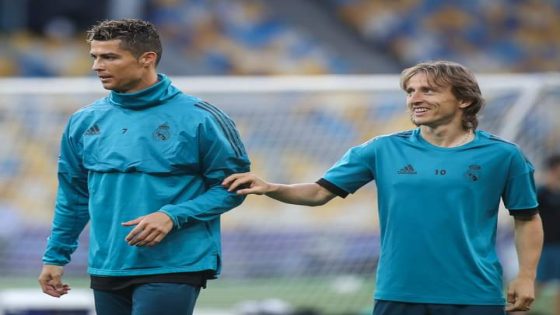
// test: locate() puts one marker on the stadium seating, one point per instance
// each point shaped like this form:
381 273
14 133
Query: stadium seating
487 36
241 37
200 37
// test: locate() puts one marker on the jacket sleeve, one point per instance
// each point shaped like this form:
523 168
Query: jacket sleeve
221 154
71 208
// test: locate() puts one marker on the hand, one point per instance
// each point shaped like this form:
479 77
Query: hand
520 294
246 183
50 281
150 230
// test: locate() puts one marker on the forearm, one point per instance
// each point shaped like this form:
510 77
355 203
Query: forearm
70 217
60 246
528 243
205 207
307 194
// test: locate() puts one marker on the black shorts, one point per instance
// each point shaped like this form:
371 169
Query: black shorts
383 307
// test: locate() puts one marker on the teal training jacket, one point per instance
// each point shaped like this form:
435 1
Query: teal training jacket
131 154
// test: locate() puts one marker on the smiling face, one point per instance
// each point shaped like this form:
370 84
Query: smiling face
432 105
118 69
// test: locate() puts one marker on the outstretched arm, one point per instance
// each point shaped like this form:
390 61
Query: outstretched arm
307 194
528 242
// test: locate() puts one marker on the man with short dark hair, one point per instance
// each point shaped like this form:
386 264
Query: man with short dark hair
144 166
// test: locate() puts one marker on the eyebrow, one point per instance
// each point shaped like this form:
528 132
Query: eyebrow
109 54
424 87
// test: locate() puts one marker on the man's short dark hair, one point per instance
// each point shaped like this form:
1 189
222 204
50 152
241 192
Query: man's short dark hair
137 36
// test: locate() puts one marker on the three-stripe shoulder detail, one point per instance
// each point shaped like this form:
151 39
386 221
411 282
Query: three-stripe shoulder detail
403 134
227 125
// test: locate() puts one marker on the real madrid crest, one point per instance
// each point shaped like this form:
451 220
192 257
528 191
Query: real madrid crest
162 132
473 173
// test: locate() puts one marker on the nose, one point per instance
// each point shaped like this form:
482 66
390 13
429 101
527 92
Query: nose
96 65
414 97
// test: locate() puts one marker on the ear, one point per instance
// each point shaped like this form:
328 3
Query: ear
464 104
148 58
